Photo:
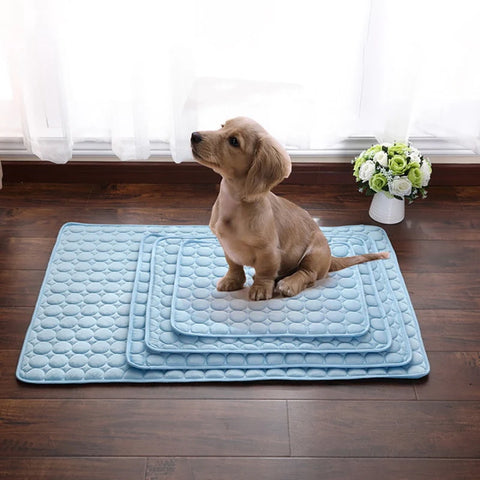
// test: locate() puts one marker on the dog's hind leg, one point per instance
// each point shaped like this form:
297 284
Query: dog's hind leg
303 278
314 265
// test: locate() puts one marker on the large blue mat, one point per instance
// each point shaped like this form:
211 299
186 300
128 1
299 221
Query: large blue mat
112 295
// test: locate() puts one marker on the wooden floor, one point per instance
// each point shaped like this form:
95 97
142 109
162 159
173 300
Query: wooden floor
428 429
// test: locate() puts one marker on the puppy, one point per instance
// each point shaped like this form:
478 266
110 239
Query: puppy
255 227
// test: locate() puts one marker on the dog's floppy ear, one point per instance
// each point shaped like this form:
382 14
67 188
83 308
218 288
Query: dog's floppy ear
271 164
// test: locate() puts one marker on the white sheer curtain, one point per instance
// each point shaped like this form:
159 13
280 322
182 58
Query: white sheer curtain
421 73
312 72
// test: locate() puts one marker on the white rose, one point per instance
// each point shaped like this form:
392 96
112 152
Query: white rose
414 151
381 158
400 186
366 171
425 170
414 157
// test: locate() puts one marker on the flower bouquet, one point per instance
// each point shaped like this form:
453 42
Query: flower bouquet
397 170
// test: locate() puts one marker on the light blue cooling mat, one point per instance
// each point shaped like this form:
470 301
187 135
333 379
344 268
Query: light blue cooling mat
90 319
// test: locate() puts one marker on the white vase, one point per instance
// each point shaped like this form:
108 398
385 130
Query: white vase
387 210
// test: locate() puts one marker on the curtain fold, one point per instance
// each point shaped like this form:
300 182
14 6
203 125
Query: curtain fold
391 71
426 84
37 78
312 72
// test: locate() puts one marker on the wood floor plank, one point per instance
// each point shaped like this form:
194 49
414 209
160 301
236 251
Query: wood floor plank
49 468
19 288
25 253
448 330
47 221
347 197
326 197
469 197
41 221
445 194
154 196
452 291
385 429
436 256
14 322
442 224
35 194
332 218
310 469
164 216
453 376
143 428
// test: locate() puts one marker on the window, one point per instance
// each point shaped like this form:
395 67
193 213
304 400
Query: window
136 77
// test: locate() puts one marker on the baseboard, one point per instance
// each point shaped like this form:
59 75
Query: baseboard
193 173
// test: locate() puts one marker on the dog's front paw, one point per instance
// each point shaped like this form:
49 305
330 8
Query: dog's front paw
229 283
261 292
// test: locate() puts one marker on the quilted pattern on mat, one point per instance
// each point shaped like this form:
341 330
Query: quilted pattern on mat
89 324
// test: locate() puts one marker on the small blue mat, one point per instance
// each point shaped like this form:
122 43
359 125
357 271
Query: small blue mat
104 314
337 309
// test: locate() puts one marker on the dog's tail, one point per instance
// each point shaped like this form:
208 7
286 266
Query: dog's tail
339 263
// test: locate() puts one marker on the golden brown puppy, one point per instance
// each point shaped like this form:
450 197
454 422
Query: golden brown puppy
255 227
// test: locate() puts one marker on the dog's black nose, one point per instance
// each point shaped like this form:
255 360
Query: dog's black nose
196 137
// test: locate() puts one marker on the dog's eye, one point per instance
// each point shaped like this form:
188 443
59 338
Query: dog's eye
233 141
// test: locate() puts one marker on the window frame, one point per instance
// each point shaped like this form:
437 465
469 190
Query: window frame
442 151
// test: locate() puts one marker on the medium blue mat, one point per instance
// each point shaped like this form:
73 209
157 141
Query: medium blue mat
161 335
90 321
